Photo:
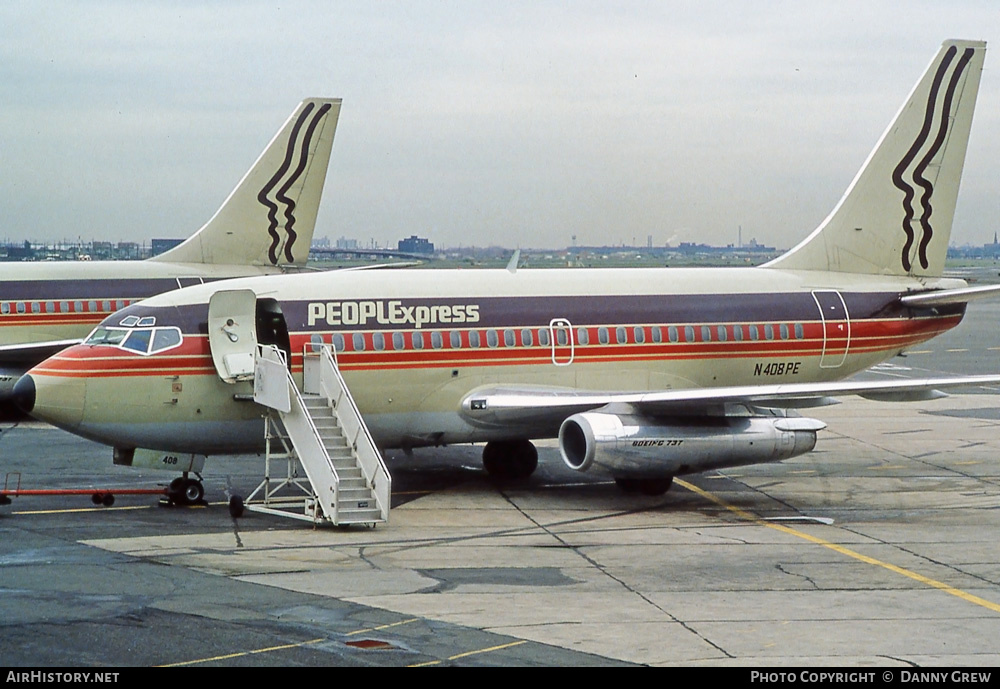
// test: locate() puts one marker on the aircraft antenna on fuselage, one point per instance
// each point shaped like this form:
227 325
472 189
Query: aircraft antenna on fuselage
896 216
270 216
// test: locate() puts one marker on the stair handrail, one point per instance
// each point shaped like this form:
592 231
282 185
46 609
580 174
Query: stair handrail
334 388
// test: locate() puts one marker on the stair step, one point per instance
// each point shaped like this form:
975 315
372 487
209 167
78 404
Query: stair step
356 495
361 516
353 483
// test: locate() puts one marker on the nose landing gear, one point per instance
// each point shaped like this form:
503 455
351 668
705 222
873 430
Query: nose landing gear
184 490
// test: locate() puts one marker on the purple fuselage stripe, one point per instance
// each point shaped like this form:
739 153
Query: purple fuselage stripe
500 312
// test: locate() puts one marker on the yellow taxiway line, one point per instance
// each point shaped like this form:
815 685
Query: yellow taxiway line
747 516
490 649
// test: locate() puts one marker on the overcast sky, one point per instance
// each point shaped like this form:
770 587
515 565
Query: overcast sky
512 123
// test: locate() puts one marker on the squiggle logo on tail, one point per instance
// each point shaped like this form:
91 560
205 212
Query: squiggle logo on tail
938 111
301 149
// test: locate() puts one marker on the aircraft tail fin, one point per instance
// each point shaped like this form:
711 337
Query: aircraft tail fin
896 216
270 216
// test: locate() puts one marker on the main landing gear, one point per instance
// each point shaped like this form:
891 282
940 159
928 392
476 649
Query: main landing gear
510 459
184 490
646 486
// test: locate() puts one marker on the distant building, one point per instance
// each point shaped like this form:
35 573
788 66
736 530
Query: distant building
983 251
416 245
20 253
128 251
992 250
348 244
102 250
158 246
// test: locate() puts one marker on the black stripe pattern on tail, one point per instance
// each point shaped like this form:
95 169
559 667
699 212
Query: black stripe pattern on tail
938 109
299 143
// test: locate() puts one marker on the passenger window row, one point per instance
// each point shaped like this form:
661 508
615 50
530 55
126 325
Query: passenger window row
531 337
104 306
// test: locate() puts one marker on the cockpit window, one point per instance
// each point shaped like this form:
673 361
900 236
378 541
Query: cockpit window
141 340
165 338
106 336
138 341
129 321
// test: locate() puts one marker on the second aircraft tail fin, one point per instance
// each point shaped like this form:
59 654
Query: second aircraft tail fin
896 216
270 217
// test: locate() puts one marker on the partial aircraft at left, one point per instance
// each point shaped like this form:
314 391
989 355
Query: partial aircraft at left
264 227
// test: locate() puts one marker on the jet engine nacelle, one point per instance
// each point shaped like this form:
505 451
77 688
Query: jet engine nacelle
641 447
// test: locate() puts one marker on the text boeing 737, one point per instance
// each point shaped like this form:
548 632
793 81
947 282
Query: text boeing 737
264 226
646 373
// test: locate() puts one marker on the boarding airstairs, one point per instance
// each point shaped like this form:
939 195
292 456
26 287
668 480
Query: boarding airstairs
333 472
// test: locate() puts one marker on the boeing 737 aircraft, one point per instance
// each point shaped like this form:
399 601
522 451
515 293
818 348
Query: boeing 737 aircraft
264 226
645 373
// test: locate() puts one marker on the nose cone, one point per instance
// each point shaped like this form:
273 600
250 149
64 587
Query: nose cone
55 399
24 394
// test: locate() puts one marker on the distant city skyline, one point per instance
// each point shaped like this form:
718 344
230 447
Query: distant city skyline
349 243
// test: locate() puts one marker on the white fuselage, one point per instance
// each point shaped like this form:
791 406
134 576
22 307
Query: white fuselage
413 343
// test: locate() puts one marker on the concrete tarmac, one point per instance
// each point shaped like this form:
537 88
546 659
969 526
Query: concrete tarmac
876 549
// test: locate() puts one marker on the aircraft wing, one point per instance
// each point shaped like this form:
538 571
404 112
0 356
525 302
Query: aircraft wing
16 359
33 352
537 406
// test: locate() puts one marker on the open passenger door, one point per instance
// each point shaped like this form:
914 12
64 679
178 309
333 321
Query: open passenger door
232 333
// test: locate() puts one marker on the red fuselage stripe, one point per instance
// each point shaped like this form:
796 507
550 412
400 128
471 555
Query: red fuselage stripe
194 357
